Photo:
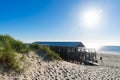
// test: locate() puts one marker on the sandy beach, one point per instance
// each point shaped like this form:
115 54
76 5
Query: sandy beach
108 69
59 39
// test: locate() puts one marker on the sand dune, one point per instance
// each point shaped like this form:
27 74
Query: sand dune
108 69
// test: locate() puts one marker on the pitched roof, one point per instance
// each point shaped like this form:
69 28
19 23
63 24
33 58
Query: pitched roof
63 44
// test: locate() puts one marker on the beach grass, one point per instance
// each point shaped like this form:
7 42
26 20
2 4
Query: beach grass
10 48
50 54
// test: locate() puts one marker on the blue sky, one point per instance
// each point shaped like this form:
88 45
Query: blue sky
60 20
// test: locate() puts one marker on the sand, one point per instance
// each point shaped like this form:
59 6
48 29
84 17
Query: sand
108 69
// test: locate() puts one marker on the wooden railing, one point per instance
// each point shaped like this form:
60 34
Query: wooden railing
82 54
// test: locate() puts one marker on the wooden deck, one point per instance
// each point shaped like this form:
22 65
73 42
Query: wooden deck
81 54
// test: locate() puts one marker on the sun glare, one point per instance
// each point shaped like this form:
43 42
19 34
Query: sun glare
91 18
93 45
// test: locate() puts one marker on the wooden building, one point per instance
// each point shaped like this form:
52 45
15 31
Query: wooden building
71 51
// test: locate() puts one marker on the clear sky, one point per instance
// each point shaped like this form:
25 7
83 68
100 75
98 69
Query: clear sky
62 20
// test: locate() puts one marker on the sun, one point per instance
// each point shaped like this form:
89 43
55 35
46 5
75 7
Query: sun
91 18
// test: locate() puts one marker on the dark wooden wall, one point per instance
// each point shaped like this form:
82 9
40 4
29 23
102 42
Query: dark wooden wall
71 53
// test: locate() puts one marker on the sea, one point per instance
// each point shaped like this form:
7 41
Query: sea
109 49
